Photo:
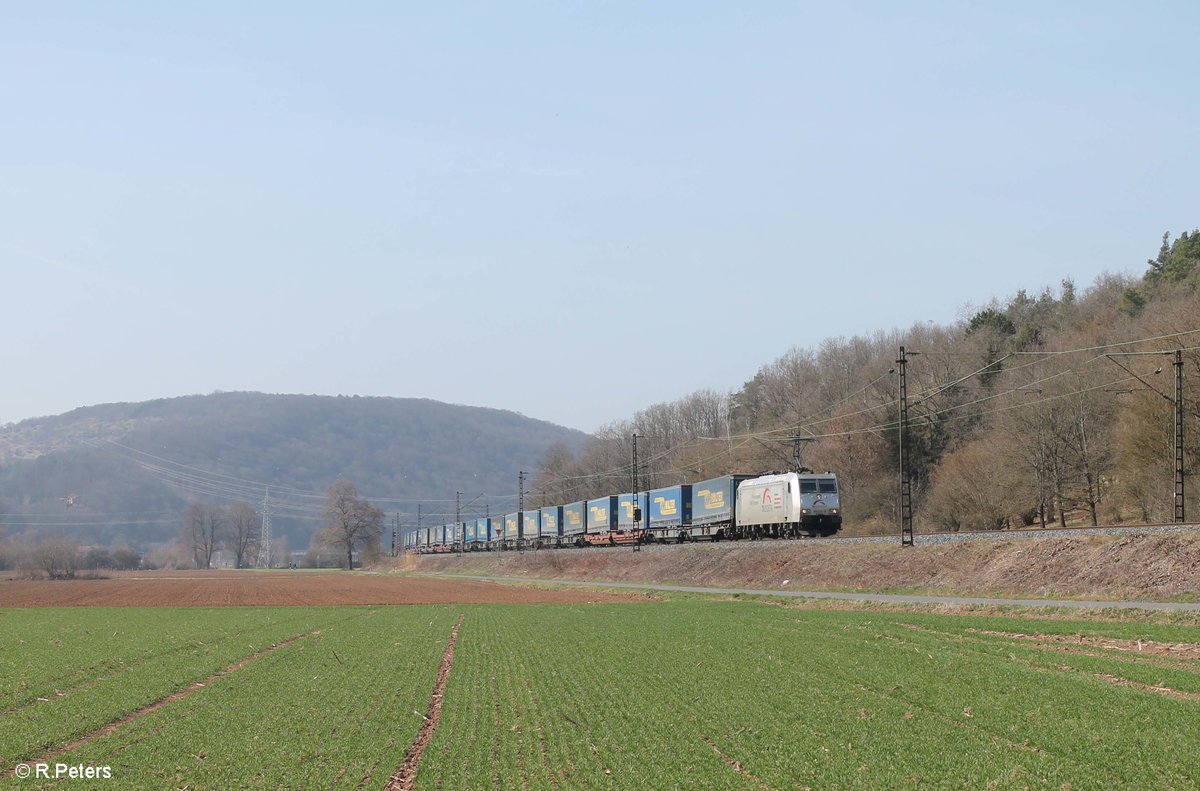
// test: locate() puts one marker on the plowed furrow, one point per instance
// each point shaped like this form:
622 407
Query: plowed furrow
406 773
158 704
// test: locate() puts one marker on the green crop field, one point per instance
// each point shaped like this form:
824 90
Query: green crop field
677 694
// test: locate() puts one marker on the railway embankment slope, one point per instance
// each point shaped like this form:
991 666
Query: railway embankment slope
1129 565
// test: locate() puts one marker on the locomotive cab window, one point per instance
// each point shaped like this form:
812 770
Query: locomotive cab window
808 486
828 486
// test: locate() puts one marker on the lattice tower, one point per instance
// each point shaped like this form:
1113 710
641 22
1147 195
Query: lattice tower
264 538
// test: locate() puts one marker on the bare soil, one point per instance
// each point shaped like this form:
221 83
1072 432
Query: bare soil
1148 647
1130 566
274 588
406 774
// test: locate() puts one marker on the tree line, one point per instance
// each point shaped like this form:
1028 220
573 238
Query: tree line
1017 416
58 557
209 527
350 525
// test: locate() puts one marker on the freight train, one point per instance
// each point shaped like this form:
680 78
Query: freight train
730 507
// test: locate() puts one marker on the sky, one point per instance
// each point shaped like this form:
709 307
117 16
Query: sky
571 210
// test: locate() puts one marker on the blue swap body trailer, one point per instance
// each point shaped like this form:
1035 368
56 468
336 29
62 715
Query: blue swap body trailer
670 513
713 507
530 528
601 521
512 530
495 532
625 511
625 520
482 533
550 533
574 522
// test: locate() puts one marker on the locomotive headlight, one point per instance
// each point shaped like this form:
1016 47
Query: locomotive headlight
833 510
804 510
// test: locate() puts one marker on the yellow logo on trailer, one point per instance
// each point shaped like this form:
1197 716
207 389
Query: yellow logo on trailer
572 517
666 507
599 514
712 500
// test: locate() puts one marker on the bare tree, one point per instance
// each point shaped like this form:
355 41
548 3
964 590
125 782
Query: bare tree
1144 438
1029 443
555 477
1087 437
350 521
9 554
58 557
203 532
243 533
966 493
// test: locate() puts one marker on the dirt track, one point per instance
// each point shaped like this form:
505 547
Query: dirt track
274 588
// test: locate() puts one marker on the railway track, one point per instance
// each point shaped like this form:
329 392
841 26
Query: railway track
919 538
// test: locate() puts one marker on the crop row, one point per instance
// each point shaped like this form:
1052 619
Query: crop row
47 652
725 695
103 664
337 709
687 693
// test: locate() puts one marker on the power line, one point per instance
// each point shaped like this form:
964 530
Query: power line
4 521
209 483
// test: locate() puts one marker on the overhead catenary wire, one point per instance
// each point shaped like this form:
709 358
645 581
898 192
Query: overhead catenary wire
891 425
305 504
936 389
208 483
5 521
256 487
950 385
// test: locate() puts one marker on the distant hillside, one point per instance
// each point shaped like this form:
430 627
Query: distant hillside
129 470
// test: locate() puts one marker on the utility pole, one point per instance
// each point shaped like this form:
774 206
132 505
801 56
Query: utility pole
1177 402
520 509
395 529
264 537
1179 499
458 517
906 526
637 500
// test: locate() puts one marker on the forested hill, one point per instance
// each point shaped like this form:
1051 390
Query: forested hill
1053 405
128 470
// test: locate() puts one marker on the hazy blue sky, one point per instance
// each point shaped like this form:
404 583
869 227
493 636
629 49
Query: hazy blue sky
572 210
